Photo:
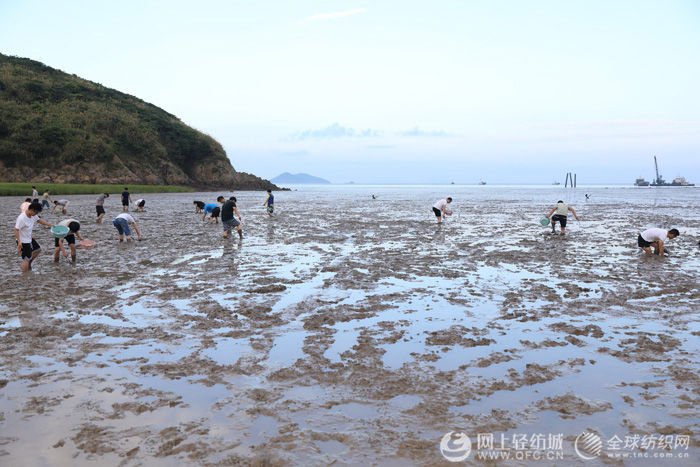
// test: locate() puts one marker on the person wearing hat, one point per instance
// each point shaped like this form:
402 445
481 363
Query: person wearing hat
562 210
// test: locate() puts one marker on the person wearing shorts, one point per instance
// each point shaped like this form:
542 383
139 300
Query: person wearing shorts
562 209
100 206
28 248
73 229
126 199
440 209
270 203
227 216
140 204
198 206
122 222
655 238
62 203
213 210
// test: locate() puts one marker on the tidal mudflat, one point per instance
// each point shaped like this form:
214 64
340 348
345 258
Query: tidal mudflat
354 331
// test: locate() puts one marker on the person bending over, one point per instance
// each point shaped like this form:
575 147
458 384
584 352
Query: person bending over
655 238
562 210
73 229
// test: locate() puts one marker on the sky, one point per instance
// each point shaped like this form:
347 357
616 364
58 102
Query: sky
399 91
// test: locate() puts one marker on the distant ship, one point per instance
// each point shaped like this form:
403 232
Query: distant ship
678 181
555 182
641 182
681 181
481 182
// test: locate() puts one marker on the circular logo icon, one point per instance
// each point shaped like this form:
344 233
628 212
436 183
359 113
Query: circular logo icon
455 447
588 445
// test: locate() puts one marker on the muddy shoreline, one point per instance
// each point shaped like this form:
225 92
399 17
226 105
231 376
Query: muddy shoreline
349 330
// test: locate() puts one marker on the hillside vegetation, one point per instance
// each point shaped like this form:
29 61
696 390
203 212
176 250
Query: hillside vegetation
56 127
59 189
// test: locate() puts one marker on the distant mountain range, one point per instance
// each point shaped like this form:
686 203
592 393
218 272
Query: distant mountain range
297 179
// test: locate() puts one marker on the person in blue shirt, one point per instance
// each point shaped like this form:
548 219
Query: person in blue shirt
214 210
270 203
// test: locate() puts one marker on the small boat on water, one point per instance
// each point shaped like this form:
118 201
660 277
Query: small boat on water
641 182
482 182
556 182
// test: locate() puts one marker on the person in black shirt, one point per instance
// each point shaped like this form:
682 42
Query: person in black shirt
126 198
227 216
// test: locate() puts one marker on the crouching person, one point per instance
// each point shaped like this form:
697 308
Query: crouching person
73 231
122 222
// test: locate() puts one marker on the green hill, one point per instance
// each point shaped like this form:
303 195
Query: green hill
58 128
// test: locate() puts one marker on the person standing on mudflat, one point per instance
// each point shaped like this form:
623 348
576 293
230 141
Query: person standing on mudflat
45 198
269 202
227 216
100 206
28 248
562 210
126 199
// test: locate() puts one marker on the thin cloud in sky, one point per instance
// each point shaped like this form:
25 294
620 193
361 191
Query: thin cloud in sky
334 131
415 131
334 15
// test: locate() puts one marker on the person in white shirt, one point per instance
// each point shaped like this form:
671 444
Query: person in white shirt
61 204
655 238
28 248
121 223
562 210
140 205
35 194
440 209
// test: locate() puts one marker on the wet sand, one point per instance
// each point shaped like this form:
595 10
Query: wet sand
349 330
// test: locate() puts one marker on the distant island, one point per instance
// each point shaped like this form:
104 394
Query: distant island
59 128
297 179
